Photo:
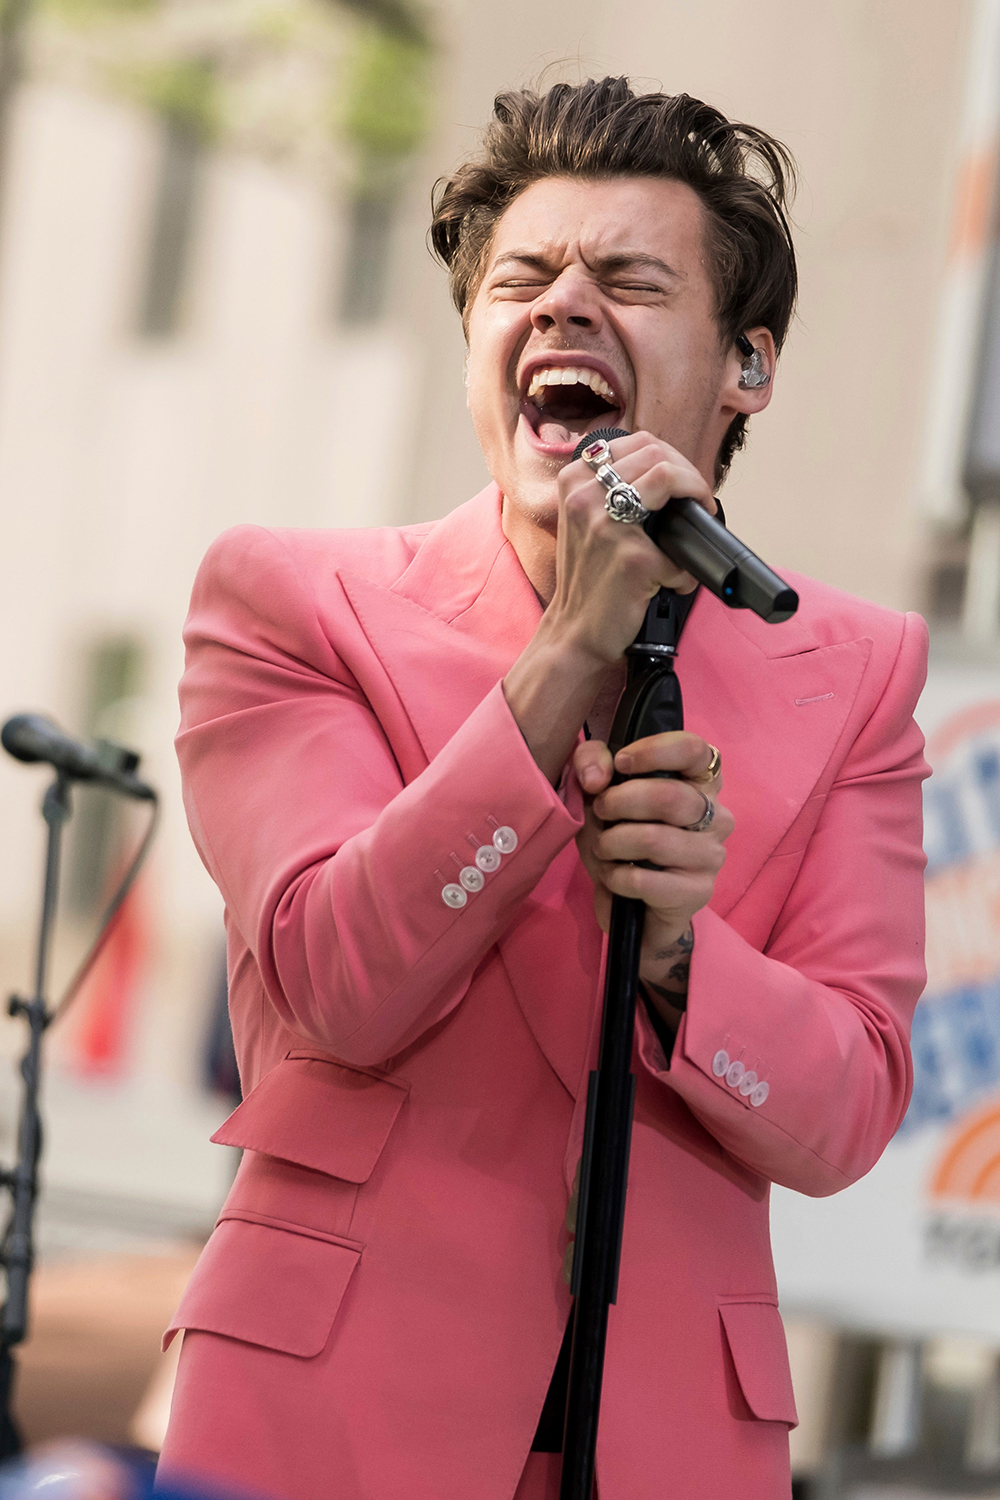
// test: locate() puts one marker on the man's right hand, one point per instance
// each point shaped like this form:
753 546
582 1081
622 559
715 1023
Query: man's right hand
606 571
606 574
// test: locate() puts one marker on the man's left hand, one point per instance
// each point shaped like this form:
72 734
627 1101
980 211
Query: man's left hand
649 817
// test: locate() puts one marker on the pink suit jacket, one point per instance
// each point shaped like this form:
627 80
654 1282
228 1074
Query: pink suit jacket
380 1307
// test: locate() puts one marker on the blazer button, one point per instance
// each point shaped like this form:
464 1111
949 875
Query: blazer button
748 1083
471 878
759 1094
505 839
488 858
720 1062
734 1074
453 895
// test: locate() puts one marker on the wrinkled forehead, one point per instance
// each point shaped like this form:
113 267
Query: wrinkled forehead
559 220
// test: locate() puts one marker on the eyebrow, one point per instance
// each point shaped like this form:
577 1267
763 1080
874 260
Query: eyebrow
621 260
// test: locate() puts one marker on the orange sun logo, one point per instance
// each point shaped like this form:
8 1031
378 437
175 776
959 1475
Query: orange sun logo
968 1171
964 1225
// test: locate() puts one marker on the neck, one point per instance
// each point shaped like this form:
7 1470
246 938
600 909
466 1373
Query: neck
535 547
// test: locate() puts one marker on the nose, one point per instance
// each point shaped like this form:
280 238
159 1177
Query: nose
570 303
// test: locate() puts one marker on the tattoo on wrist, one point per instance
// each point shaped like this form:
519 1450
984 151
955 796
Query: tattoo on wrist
676 977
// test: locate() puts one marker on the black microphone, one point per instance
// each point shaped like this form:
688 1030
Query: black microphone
703 547
30 737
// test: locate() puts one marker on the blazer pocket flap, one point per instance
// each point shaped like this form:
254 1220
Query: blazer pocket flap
269 1285
756 1338
319 1114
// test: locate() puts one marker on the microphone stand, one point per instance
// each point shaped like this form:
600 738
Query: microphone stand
650 704
17 1248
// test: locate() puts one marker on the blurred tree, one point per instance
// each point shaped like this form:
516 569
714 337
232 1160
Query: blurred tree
393 16
341 88
13 20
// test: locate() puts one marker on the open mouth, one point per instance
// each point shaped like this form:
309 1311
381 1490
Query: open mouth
564 402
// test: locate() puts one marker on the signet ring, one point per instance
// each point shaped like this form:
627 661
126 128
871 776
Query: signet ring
624 502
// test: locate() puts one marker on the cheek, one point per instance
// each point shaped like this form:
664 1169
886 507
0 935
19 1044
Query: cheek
683 379
492 346
481 397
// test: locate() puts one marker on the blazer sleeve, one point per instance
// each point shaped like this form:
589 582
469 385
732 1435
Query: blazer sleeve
822 1015
331 868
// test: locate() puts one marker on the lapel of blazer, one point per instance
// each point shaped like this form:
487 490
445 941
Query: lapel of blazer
451 626
775 699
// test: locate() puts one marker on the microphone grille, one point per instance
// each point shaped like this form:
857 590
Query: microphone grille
607 433
16 736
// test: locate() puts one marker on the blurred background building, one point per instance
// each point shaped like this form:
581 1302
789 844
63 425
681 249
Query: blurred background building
217 306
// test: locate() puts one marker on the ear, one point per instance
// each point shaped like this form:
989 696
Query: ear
733 398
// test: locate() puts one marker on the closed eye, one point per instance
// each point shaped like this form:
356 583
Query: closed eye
635 286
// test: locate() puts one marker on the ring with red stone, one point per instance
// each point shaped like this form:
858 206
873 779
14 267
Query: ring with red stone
624 502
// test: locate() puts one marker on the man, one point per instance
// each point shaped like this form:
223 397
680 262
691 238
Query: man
387 774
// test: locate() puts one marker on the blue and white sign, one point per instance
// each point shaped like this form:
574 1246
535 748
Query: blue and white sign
915 1247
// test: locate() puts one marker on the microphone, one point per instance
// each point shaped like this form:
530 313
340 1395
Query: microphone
703 547
30 737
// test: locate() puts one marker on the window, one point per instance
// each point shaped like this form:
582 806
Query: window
366 265
171 227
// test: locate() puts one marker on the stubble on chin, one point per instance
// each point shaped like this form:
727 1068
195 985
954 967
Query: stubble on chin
532 502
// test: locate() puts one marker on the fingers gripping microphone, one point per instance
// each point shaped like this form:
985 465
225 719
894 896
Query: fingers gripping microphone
30 737
703 547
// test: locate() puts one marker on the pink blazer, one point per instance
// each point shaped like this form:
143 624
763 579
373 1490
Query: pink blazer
378 1312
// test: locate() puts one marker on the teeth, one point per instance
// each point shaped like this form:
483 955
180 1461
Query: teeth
569 375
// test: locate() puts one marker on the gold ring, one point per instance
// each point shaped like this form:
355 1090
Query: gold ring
712 770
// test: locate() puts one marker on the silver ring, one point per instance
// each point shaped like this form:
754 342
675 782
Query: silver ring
707 817
624 503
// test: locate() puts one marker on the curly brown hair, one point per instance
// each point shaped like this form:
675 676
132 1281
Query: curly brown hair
743 176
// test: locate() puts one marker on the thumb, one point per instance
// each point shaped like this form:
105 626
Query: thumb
593 766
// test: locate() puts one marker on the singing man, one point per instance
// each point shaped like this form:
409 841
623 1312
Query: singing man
394 754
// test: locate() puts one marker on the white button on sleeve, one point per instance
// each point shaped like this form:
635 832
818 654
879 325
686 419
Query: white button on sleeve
734 1074
759 1094
488 858
720 1062
748 1083
505 839
472 879
453 895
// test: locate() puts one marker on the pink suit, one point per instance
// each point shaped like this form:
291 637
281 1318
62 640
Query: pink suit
379 1310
